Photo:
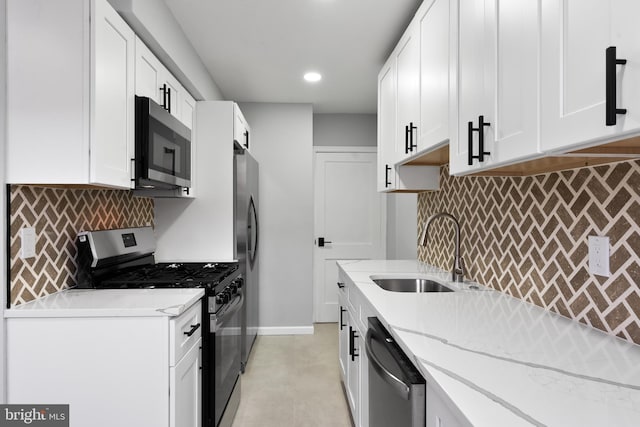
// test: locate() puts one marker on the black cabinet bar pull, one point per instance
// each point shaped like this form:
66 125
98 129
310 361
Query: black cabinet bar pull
169 99
481 125
470 129
470 155
164 96
412 144
342 325
409 145
611 107
193 329
246 136
406 139
387 169
352 344
340 285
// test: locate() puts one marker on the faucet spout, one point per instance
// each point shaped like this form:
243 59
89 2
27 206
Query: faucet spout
457 272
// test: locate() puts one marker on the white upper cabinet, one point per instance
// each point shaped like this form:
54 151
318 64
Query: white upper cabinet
154 81
187 109
70 93
387 126
112 133
576 35
149 73
497 84
399 109
433 129
408 96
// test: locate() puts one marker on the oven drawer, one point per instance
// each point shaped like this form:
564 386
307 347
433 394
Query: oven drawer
184 330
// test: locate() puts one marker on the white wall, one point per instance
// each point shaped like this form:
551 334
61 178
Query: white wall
282 142
402 226
3 204
155 25
344 129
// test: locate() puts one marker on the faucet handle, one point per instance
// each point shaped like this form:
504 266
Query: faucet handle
458 270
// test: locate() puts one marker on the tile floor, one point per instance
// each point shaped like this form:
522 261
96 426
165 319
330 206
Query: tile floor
294 381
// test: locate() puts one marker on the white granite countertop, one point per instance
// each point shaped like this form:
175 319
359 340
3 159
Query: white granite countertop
109 303
505 362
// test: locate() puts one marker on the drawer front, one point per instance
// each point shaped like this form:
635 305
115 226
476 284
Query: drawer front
343 284
184 331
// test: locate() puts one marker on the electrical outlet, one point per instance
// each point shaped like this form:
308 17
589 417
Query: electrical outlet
599 255
28 242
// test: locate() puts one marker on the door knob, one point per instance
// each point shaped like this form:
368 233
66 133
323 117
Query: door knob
322 241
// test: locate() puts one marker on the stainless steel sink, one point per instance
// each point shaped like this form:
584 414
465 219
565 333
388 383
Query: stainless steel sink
406 284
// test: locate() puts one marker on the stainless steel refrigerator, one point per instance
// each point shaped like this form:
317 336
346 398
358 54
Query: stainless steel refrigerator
247 242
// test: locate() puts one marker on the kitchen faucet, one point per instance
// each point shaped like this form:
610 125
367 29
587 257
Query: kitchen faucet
457 273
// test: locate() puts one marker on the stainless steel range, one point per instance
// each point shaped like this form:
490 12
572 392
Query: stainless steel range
124 258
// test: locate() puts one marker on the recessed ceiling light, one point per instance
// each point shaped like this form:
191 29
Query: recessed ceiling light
312 77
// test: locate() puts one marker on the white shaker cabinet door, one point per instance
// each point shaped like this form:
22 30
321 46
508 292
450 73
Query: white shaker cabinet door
149 73
434 76
497 85
576 35
408 97
112 117
353 370
343 335
185 400
187 109
387 126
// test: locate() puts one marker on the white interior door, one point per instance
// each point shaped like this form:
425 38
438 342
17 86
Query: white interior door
351 217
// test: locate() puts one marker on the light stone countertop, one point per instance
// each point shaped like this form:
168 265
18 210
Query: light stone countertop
109 303
503 361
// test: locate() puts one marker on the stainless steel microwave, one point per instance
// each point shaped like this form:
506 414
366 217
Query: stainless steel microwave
163 148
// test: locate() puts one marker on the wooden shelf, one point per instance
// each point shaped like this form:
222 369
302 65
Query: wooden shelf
437 157
618 151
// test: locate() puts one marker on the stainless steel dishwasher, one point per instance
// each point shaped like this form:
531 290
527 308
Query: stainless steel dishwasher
396 388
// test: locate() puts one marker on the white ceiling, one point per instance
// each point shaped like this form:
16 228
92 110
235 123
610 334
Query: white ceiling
258 50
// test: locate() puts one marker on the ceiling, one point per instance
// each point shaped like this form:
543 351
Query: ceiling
258 50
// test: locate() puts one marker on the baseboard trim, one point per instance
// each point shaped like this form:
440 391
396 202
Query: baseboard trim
285 330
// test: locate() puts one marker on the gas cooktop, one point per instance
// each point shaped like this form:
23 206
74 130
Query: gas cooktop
167 275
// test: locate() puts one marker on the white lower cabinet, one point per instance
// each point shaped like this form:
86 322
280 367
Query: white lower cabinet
129 371
353 360
354 363
185 382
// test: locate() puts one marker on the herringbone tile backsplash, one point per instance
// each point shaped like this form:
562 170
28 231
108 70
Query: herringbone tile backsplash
528 237
58 215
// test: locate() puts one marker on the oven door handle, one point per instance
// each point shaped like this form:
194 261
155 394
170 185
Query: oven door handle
218 320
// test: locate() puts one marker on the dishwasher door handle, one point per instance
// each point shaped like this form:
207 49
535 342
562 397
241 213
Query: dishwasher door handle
398 385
